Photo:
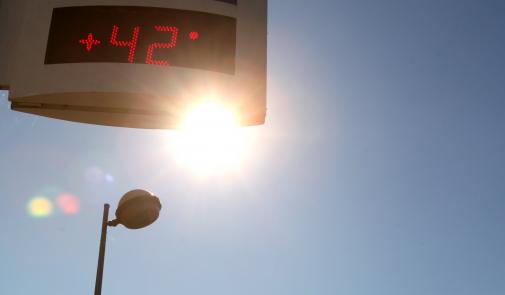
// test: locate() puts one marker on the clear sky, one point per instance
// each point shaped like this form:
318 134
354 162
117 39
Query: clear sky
380 171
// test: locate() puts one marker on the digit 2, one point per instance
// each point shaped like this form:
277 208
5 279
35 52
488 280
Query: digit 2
171 44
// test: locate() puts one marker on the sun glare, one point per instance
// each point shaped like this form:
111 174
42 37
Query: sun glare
209 140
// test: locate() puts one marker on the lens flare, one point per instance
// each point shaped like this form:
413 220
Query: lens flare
109 178
96 175
69 204
40 207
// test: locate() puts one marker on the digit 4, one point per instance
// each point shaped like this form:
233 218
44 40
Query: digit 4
131 43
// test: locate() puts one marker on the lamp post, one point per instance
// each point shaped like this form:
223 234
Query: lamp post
136 209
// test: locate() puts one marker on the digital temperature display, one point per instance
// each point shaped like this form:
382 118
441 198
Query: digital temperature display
142 35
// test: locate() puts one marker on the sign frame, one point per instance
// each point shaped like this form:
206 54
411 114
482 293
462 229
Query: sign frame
132 95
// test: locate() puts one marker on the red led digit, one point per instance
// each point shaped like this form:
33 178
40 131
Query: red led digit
132 43
157 45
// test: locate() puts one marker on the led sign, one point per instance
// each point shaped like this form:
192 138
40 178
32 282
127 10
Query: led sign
144 35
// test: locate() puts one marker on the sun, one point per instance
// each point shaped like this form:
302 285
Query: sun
209 140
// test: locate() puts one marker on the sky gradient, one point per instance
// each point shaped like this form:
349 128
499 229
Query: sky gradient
380 171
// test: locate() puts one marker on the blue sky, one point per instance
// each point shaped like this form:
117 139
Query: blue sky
381 170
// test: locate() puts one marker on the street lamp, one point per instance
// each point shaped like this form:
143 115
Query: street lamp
136 209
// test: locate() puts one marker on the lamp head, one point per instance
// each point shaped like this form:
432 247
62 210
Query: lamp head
138 209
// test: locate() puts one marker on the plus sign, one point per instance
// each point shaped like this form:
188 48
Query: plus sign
89 42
